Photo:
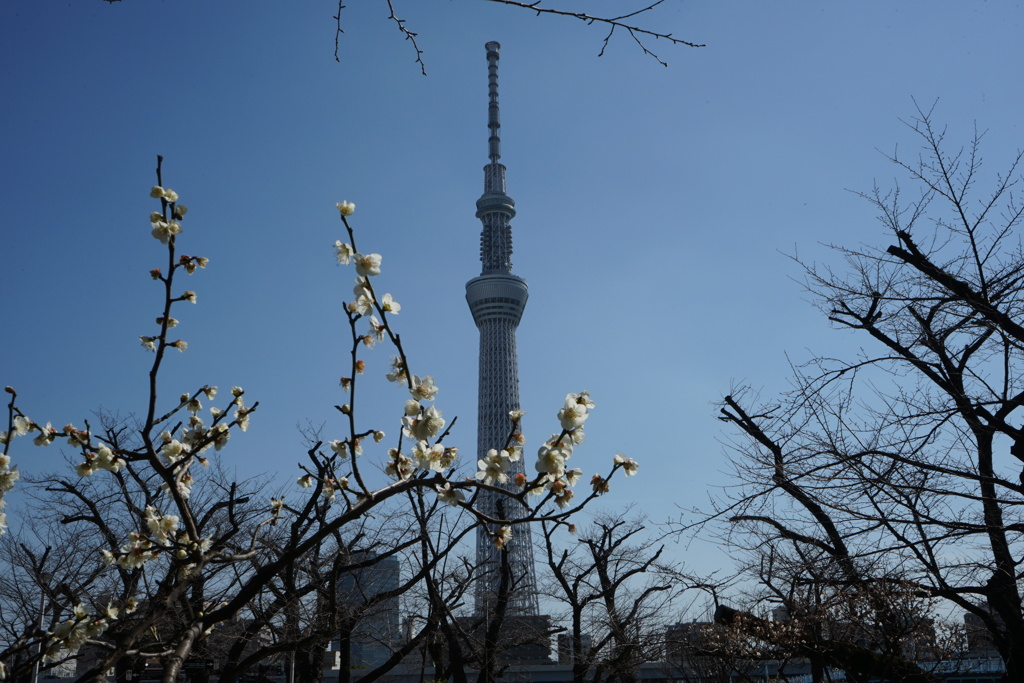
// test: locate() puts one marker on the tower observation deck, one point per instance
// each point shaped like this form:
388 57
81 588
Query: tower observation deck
497 299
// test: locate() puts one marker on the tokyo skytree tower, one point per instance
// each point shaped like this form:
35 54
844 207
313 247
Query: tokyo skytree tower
497 299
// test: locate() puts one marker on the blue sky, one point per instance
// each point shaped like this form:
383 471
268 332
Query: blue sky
657 207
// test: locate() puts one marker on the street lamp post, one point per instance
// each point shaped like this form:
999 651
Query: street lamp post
44 580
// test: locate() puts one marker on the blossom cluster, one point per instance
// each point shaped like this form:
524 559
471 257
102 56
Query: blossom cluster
24 426
21 425
553 476
102 459
177 453
162 534
8 475
421 421
164 228
70 635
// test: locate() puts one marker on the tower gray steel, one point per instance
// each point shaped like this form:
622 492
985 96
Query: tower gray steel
497 299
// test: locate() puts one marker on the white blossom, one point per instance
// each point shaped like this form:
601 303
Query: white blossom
493 468
242 418
629 466
400 467
502 536
424 388
165 230
398 371
22 425
446 494
551 460
424 426
429 457
390 305
7 479
106 459
222 434
367 265
344 252
573 414
583 398
46 435
363 303
161 527
573 476
173 451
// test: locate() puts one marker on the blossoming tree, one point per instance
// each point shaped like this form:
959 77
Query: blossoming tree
176 550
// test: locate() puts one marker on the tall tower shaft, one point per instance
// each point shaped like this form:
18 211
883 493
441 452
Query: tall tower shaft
497 299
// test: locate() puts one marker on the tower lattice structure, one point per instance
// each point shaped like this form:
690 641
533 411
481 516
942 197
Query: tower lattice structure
497 299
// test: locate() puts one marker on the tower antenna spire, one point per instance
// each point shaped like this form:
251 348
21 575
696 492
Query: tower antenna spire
493 115
495 208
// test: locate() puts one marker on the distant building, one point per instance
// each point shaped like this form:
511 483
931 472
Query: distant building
372 629
979 639
565 653
684 641
522 640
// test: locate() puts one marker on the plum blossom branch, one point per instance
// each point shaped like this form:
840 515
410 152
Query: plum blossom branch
169 544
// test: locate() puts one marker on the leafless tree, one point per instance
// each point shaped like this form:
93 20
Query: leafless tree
897 473
619 595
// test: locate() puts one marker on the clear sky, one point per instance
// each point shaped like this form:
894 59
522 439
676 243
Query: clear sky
657 207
